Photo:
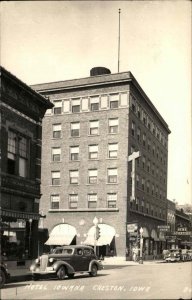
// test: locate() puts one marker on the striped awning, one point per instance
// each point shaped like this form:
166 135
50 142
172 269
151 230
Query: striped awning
61 235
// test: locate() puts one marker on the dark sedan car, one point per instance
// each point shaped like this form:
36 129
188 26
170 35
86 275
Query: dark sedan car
66 261
4 274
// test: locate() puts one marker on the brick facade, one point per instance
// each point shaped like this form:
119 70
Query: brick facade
121 88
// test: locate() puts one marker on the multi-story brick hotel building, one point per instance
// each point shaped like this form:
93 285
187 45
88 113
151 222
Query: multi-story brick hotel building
104 155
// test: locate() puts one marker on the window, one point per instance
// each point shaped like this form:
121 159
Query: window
74 153
94 103
113 125
143 162
139 111
57 109
112 175
75 128
148 166
92 179
55 175
114 101
56 131
17 154
137 180
133 129
142 205
112 150
56 154
144 118
74 176
147 208
55 200
149 145
75 105
133 104
94 127
144 139
92 200
152 210
152 189
137 203
147 186
153 150
143 184
93 152
138 134
111 200
73 201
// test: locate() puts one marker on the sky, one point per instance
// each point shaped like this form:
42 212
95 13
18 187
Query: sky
46 41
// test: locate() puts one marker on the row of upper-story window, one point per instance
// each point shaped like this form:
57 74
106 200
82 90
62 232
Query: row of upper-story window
145 207
147 165
93 152
148 121
112 176
107 101
111 202
142 138
113 127
92 201
88 103
149 187
155 154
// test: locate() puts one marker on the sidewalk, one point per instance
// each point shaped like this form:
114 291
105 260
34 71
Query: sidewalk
23 273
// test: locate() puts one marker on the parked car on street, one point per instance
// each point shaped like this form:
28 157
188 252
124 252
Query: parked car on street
189 254
174 255
4 274
66 261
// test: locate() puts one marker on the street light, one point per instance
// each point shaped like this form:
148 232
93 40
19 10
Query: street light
30 222
141 246
95 222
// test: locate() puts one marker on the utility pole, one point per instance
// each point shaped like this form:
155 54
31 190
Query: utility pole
119 42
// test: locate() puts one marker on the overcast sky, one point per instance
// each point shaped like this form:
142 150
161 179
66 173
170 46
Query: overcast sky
52 41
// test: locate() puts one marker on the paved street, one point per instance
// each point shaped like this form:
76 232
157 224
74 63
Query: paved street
147 281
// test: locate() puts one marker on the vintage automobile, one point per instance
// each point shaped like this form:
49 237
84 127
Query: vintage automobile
174 255
66 261
4 274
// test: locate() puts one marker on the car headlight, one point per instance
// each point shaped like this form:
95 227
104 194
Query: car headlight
51 259
37 260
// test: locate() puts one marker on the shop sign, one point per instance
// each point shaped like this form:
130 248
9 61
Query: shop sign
182 229
132 227
183 232
163 227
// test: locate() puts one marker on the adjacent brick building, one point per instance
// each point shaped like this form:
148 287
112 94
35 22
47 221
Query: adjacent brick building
22 110
90 138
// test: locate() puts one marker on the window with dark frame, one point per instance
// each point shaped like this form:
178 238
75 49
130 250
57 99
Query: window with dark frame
74 176
56 131
92 200
112 200
73 201
55 201
94 127
92 177
17 154
55 175
75 129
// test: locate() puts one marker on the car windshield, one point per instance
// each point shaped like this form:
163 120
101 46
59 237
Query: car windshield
64 251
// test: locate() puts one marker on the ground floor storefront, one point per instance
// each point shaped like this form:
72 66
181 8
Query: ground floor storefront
18 236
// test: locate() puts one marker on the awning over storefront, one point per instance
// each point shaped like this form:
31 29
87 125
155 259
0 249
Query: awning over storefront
19 215
145 232
61 234
107 233
154 235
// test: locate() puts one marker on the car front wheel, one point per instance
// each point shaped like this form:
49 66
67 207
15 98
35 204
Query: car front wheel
2 278
61 273
93 272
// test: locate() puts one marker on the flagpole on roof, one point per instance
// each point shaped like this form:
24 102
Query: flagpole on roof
119 42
